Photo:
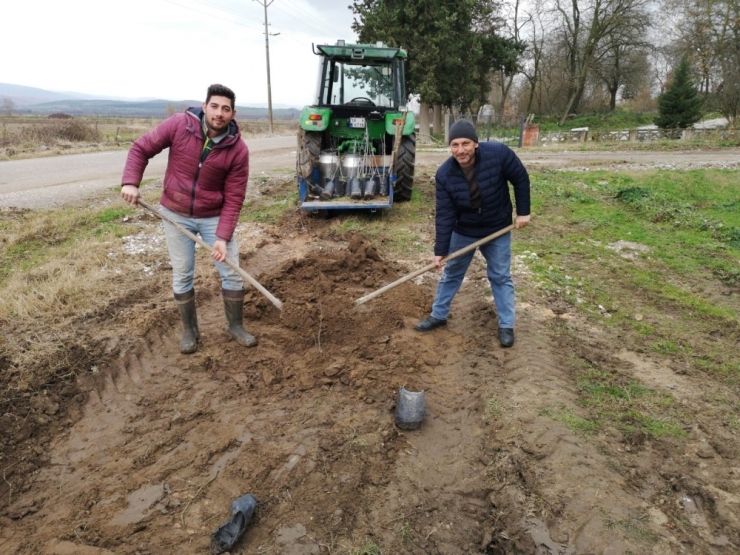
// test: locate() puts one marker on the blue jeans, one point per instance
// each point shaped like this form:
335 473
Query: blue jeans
498 267
182 251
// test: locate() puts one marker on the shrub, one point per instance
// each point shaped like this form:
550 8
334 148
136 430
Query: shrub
65 130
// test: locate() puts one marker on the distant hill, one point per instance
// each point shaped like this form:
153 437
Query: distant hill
28 96
29 100
142 109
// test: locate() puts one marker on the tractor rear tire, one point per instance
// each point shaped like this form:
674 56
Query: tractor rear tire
309 150
405 162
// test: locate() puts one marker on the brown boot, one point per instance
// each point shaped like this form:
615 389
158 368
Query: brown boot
234 308
190 335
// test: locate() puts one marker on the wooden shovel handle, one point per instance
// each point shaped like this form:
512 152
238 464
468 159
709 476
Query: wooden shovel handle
278 304
432 266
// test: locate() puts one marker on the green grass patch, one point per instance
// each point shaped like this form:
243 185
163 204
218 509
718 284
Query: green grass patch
634 526
369 548
613 121
269 211
634 420
650 252
494 407
575 424
108 215
407 533
30 238
613 399
402 229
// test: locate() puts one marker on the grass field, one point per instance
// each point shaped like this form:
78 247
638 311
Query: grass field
22 137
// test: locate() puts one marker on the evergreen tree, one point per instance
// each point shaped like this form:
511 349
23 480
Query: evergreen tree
679 107
452 45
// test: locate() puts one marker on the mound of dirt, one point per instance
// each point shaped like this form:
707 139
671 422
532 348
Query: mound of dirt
318 292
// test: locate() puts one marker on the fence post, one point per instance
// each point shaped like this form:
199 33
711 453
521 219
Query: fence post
521 130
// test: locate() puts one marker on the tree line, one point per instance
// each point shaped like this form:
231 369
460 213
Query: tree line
559 57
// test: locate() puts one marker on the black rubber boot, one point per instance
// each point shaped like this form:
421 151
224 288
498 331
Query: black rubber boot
190 335
234 308
429 323
506 337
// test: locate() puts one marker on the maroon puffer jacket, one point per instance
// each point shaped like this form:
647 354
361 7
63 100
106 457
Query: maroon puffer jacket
216 188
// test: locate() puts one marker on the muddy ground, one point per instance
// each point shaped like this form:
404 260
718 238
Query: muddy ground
145 453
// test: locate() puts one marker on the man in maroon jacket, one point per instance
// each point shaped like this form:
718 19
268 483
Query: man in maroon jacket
204 188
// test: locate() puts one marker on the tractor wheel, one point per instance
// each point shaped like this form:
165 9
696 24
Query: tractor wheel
309 150
405 162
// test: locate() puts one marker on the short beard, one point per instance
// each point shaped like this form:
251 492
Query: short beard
214 129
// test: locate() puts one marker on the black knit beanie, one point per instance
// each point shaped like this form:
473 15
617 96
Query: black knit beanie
463 129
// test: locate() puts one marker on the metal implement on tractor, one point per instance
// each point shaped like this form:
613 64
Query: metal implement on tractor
356 143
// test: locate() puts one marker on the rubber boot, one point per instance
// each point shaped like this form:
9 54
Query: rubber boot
190 335
234 308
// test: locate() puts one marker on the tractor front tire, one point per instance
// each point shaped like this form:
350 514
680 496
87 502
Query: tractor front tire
405 162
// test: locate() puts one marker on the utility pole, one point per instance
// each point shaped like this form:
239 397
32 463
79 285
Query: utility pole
266 4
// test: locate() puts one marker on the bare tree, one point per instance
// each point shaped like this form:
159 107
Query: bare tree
708 34
8 106
623 65
583 27
728 54
503 79
423 136
532 31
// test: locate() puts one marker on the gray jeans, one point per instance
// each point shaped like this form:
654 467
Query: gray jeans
182 252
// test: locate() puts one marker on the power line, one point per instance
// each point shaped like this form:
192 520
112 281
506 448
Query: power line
321 25
214 15
229 10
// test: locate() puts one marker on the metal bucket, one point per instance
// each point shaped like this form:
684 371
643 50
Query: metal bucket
328 165
352 165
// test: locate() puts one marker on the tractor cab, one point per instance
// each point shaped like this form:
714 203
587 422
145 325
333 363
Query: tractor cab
361 76
357 136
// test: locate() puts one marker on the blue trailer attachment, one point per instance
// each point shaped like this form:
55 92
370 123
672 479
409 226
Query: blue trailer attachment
314 204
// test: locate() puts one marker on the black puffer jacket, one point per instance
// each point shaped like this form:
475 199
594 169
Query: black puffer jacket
495 165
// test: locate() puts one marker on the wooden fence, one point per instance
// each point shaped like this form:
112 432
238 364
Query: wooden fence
636 135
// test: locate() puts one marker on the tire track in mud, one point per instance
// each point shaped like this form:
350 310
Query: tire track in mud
438 498
441 480
544 488
594 493
167 441
563 490
142 436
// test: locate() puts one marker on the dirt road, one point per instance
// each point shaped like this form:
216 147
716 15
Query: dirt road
74 177
143 455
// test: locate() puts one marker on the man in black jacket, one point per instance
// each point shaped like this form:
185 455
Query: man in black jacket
473 201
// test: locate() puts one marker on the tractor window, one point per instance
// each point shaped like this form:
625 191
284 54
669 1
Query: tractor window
358 84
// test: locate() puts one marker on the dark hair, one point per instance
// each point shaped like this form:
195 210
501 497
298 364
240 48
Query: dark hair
220 90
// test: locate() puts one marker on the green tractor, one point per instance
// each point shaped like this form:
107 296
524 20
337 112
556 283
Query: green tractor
356 143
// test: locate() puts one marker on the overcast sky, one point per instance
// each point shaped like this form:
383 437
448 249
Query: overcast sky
169 49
